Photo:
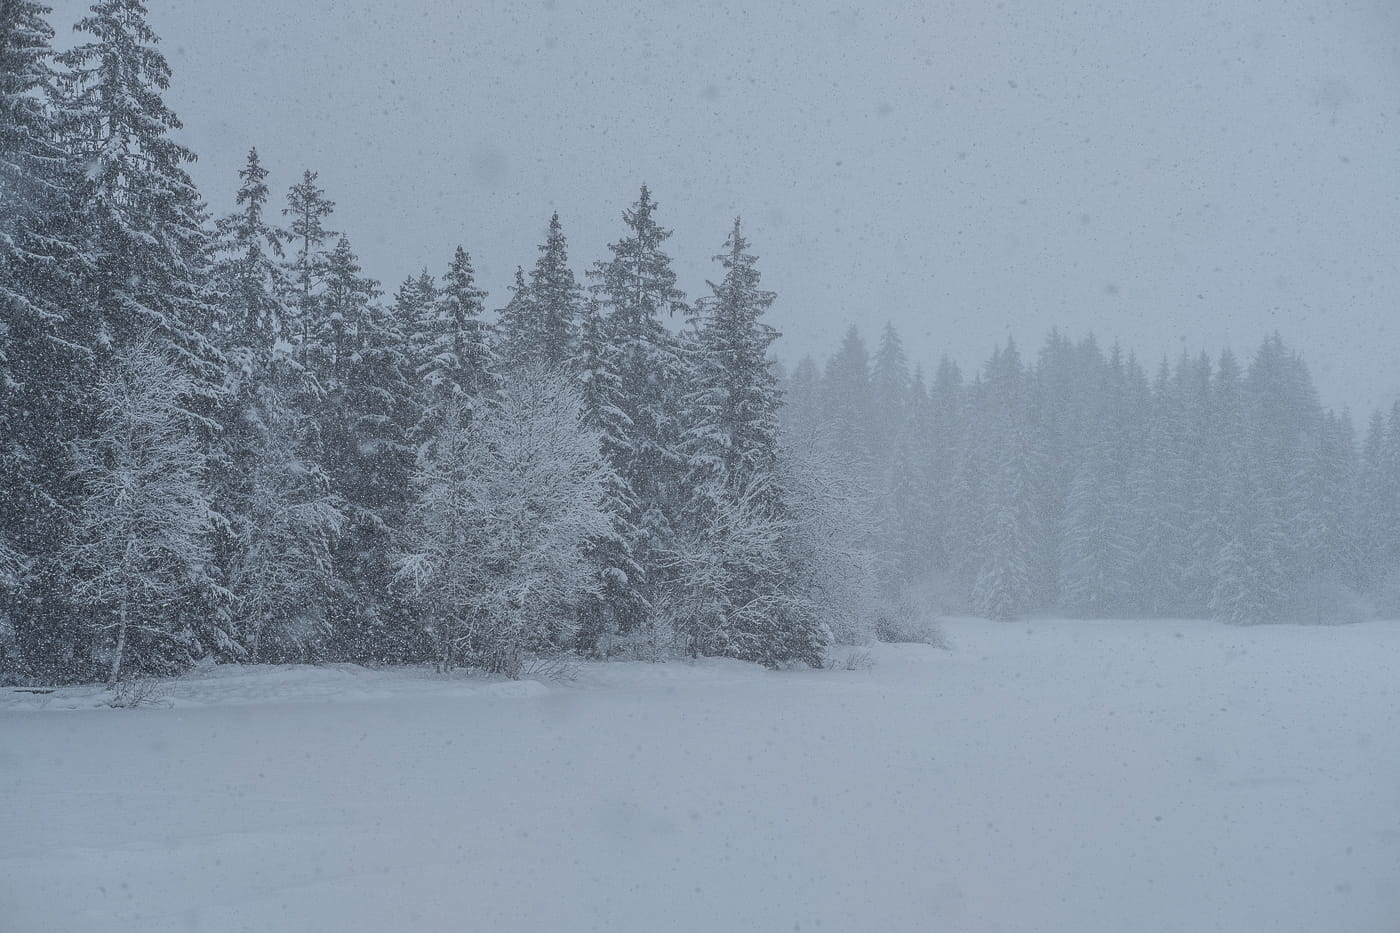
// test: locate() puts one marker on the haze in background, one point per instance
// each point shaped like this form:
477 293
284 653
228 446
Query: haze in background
1179 176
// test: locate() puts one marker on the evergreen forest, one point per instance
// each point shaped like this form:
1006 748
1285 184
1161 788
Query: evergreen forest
221 439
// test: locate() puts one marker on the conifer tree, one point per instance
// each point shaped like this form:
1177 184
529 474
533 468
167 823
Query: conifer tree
617 604
1201 456
1329 557
359 356
556 302
1248 577
637 286
891 469
1010 527
889 391
516 326
47 339
308 208
941 464
850 407
146 238
279 567
452 355
1380 502
279 515
1159 493
144 233
734 402
253 283
1098 559
913 528
737 587
413 309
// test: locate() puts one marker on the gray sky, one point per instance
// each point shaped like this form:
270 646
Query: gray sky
1186 174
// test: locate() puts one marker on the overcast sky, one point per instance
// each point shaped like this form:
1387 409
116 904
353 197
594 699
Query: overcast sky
1187 174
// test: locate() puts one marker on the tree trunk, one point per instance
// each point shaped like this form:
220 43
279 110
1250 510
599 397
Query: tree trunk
121 644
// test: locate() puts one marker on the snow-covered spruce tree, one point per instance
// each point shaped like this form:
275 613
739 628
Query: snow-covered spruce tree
146 238
143 536
280 572
617 605
359 357
1159 493
1097 549
1202 454
637 286
941 467
1097 558
279 514
451 353
849 407
909 524
307 234
253 284
1241 530
413 308
1004 587
1379 505
514 323
736 593
542 328
1250 580
891 476
731 430
46 351
506 504
1328 588
889 393
1009 532
1286 422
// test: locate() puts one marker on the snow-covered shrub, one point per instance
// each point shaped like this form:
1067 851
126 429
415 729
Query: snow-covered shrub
905 619
554 666
137 692
852 659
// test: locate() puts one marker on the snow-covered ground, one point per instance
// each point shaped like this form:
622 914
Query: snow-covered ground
1043 776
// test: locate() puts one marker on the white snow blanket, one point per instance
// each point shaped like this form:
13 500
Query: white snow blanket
1037 776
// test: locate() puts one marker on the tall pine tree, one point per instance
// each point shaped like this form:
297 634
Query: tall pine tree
637 287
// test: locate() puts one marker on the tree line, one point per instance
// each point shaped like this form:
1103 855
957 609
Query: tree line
1077 483
218 438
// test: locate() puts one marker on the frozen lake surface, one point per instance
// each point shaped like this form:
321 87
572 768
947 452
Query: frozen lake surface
1044 775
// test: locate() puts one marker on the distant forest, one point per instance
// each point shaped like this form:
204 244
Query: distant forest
220 439
1077 483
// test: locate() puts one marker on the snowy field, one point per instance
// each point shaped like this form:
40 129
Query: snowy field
1043 776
